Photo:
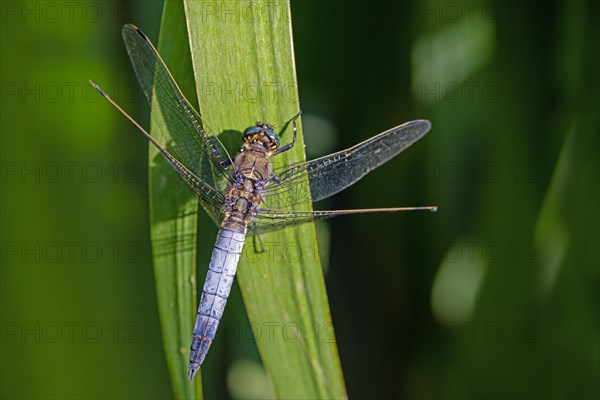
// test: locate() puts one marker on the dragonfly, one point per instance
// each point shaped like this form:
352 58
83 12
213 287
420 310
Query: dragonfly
243 195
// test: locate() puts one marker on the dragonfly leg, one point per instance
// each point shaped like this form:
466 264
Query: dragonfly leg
226 163
289 145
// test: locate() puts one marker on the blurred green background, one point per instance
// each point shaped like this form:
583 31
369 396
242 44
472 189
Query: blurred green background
494 296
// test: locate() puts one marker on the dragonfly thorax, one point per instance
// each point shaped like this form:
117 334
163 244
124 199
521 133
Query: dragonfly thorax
262 133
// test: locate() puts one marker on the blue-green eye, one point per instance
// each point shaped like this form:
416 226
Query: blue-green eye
262 128
274 137
252 130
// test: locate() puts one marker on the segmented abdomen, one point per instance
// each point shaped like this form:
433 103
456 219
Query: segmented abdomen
221 271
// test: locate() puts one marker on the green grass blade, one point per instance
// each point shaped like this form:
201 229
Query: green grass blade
244 70
173 214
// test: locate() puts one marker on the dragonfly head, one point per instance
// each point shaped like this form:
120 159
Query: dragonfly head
262 133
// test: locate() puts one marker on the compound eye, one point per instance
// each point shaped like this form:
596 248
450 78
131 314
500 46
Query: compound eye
273 138
251 130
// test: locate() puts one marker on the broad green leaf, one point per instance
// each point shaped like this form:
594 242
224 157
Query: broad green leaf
173 213
243 64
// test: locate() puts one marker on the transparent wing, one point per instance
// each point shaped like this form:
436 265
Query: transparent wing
184 136
269 220
209 197
331 174
212 201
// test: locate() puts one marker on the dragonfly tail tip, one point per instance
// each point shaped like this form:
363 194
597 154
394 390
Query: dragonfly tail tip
193 369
